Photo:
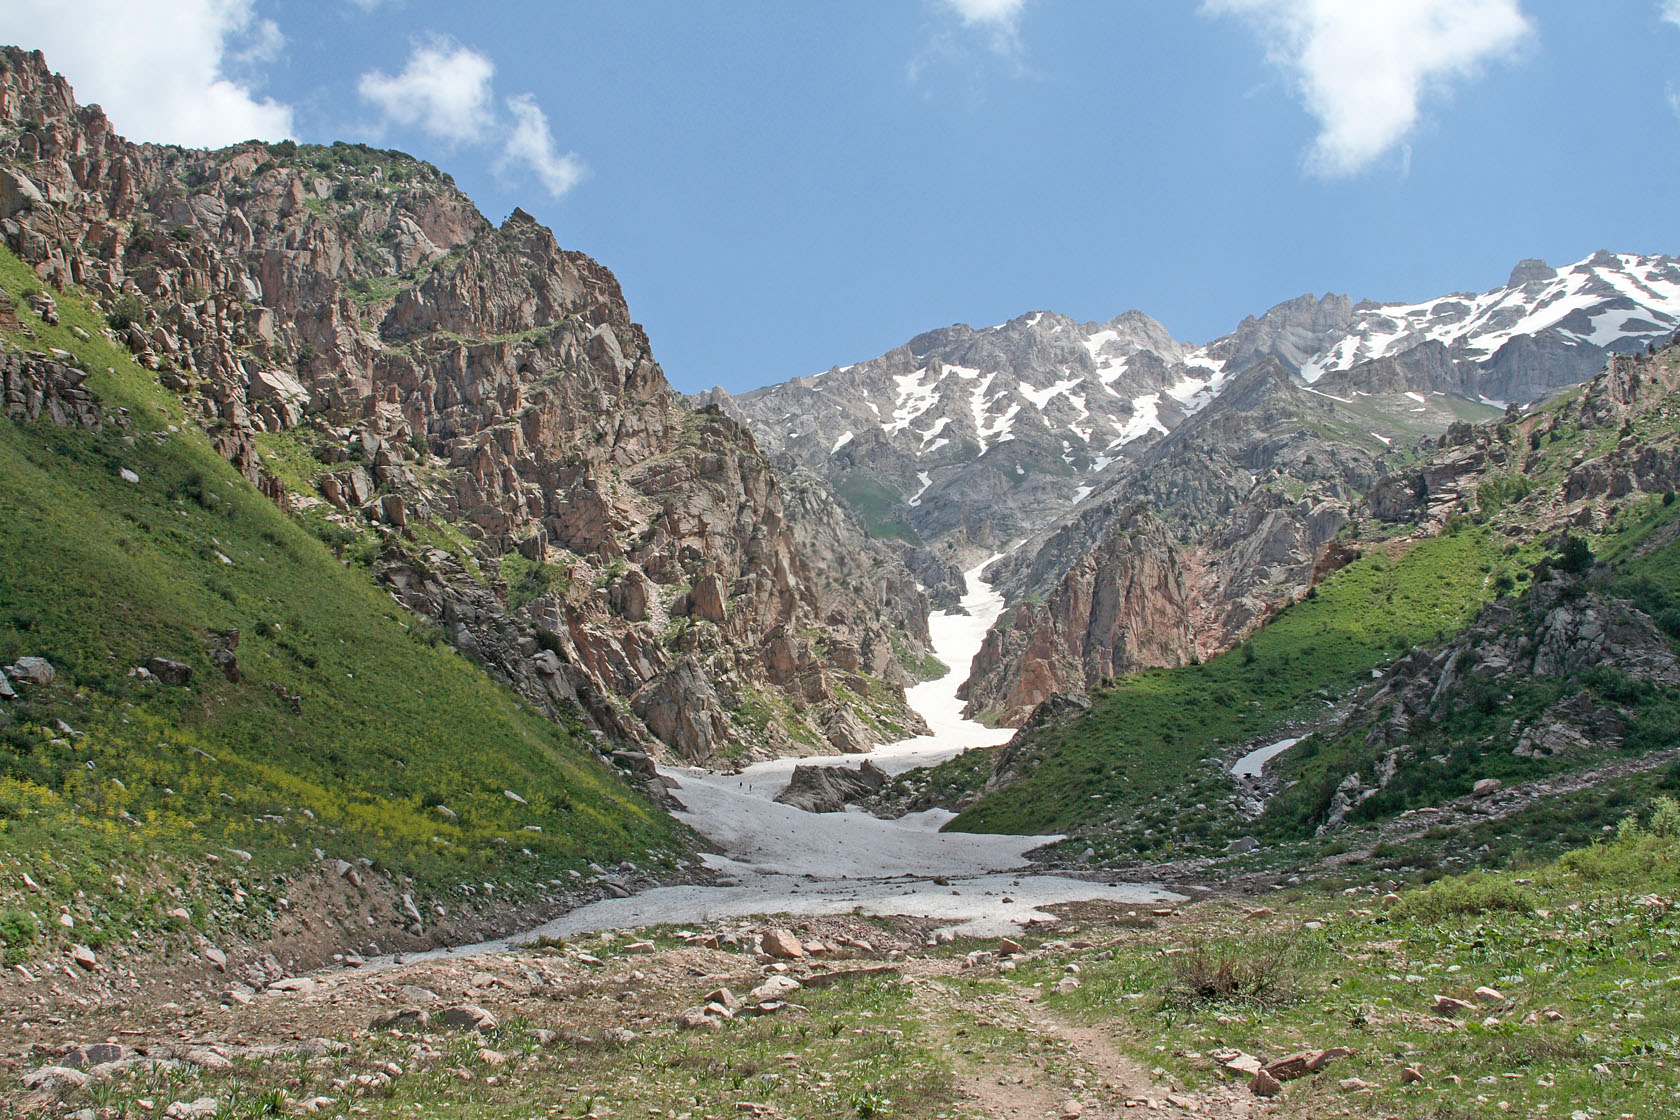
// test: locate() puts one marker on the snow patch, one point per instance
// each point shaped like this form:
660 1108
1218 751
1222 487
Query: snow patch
1250 764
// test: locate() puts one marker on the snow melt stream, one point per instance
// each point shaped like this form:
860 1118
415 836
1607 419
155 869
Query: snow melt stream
782 860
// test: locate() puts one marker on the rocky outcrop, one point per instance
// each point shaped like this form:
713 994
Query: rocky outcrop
1020 756
1244 498
480 381
37 387
1124 606
1475 469
1558 630
829 789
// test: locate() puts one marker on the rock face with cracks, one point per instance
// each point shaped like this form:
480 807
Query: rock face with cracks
469 379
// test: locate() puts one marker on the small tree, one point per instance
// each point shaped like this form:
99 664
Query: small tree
1575 556
125 311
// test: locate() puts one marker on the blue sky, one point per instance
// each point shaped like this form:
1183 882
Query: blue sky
784 186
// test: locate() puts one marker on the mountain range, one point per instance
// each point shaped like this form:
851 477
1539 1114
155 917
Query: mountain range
1158 499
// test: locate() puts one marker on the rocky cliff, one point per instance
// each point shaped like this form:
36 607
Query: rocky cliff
1244 498
1122 606
471 409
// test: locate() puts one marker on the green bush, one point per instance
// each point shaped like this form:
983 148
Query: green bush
1471 894
1575 557
125 311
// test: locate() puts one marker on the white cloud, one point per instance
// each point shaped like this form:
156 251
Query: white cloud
444 88
169 73
998 13
531 144
1362 65
1671 11
999 17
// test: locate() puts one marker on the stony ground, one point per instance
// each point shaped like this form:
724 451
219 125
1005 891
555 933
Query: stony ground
876 1017
1551 994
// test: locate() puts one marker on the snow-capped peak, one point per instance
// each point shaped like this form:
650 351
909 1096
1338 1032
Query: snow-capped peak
1607 300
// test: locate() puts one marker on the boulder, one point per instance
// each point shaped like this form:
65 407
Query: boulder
205 1058
302 985
227 662
17 193
1303 1062
773 988
32 670
708 598
782 945
97 1054
469 1017
828 789
169 672
697 1019
55 1081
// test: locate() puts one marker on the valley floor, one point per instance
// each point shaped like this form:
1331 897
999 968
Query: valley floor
937 976
1557 998
776 859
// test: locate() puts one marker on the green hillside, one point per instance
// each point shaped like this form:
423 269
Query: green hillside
101 573
1144 774
1146 768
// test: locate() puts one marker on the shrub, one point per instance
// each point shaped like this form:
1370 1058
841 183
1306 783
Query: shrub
1266 970
18 930
1471 894
1575 556
125 311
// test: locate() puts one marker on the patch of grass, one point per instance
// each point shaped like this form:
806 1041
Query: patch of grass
921 667
879 504
529 580
1472 894
1585 1008
1268 970
291 459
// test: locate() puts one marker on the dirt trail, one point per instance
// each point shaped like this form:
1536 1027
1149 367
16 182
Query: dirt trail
1064 1070
979 1019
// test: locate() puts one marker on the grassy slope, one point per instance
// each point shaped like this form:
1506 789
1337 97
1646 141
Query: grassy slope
1473 740
879 505
102 573
1144 773
1590 938
1149 758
